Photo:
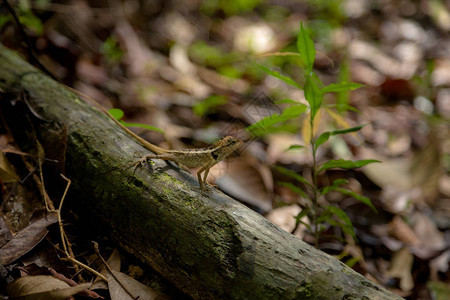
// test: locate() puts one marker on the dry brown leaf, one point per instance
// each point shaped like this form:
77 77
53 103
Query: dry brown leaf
306 127
381 61
114 263
441 73
138 289
247 181
141 60
402 232
439 264
306 130
5 233
222 82
392 172
7 171
444 185
70 282
431 239
401 265
26 239
42 287
284 217
427 178
277 150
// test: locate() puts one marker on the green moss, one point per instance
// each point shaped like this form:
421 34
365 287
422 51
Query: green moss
305 289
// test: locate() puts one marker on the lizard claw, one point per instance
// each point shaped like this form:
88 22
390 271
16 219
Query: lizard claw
140 163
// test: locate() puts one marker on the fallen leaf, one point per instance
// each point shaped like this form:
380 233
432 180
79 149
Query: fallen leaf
431 239
33 269
440 264
42 287
247 181
381 61
255 38
7 171
427 178
277 146
284 217
138 289
392 172
5 233
70 282
26 239
140 60
402 232
401 265
114 263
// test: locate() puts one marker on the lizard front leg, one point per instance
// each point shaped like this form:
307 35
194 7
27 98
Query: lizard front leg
205 169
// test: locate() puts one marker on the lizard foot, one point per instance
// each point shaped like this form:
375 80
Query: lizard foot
140 163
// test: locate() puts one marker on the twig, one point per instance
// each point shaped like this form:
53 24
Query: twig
97 251
65 241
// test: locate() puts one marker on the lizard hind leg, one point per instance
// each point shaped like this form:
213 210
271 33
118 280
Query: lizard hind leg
141 162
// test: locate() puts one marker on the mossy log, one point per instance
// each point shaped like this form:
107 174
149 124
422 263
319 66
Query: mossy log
206 244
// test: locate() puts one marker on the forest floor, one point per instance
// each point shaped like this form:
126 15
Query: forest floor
191 69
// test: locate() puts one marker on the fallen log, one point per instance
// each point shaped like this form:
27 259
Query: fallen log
208 245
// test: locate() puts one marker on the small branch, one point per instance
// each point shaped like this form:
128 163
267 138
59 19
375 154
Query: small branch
97 251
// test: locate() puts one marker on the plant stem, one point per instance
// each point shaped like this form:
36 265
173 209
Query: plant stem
314 186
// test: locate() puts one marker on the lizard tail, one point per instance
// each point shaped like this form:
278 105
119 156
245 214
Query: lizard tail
144 143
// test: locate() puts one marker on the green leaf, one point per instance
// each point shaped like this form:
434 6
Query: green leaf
352 261
3 20
341 87
342 107
325 216
111 49
284 78
202 107
343 98
292 174
306 224
322 139
286 101
295 147
294 188
344 131
293 111
31 21
336 184
267 124
358 197
305 47
313 95
145 126
340 214
347 227
346 164
326 135
298 218
116 113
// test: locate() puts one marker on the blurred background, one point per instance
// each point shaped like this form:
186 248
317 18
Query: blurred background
190 68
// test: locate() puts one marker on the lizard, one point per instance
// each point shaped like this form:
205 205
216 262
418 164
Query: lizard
205 158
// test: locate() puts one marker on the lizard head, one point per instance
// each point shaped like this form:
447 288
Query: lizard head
225 147
231 141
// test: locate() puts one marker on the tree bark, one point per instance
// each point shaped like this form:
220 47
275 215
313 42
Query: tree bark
206 244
